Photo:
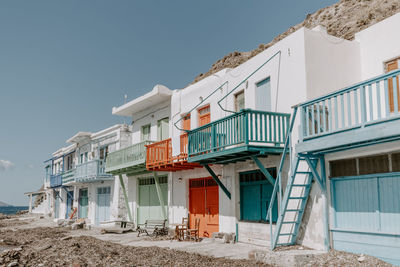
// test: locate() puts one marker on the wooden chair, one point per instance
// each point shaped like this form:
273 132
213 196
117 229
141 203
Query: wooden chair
195 231
183 228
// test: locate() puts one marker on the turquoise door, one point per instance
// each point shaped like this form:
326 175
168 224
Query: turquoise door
70 200
366 215
255 196
149 205
83 203
103 204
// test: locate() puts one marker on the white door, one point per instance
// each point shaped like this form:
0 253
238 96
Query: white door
103 205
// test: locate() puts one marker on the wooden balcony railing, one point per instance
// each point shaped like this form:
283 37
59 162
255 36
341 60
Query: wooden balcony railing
247 127
363 104
159 156
127 157
91 171
55 180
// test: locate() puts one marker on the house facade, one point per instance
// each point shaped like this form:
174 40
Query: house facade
78 181
299 144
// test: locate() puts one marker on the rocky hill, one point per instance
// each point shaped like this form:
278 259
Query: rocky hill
342 19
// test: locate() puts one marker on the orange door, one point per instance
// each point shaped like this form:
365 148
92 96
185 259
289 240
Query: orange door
186 122
212 210
204 205
393 65
204 115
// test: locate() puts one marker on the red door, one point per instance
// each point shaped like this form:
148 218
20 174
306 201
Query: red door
204 204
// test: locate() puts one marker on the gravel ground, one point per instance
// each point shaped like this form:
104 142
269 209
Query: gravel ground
53 247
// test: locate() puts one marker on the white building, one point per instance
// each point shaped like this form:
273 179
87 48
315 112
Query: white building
79 183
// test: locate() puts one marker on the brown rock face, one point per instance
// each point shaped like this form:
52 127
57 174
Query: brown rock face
342 19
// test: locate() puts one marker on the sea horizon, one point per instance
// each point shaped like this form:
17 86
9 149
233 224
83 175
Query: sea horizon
12 209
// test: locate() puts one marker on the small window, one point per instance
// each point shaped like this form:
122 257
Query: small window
162 129
239 101
145 132
103 152
396 162
390 66
186 122
373 164
204 115
343 167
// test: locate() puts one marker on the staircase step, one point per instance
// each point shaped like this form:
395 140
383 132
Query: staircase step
287 234
300 184
301 172
284 244
297 198
294 210
290 222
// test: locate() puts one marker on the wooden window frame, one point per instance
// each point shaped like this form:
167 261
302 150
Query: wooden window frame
396 62
202 116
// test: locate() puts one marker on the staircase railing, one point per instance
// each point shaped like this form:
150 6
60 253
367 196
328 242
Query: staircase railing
278 182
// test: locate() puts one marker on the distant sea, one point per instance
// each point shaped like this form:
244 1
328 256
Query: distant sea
12 209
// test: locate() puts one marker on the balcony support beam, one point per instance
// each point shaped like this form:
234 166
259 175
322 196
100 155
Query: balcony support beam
263 170
159 194
121 182
220 184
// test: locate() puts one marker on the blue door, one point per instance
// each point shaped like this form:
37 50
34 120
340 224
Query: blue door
103 204
70 200
366 215
255 196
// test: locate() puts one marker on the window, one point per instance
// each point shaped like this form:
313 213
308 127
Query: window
81 158
145 132
239 101
204 115
365 165
103 153
263 95
390 66
162 129
186 122
343 167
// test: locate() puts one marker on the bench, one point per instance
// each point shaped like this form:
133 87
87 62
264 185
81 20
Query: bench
158 227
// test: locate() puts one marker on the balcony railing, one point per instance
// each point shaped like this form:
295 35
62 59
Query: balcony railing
68 176
91 171
247 127
160 155
55 180
127 157
366 103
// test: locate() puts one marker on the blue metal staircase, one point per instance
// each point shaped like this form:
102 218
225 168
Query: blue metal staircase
292 206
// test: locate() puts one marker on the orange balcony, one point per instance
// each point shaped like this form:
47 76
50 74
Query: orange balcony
159 156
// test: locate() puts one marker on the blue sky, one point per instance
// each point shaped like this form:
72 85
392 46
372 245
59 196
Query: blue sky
65 64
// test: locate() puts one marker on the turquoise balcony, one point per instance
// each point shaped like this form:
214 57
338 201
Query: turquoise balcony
362 114
128 160
238 136
91 171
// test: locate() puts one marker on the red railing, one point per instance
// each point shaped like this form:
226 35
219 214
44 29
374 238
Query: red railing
159 156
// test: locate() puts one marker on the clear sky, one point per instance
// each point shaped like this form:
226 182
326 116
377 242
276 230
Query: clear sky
65 64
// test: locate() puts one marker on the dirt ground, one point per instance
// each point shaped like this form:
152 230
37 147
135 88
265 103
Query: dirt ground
53 247
22 245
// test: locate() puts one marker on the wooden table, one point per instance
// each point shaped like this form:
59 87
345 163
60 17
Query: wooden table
179 231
